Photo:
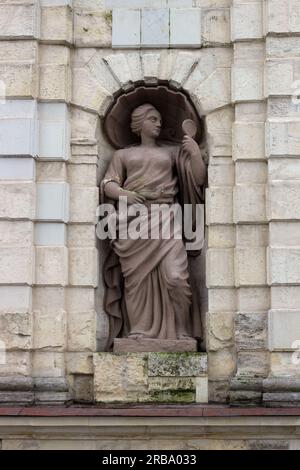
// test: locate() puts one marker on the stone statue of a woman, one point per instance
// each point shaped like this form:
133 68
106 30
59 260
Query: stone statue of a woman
148 294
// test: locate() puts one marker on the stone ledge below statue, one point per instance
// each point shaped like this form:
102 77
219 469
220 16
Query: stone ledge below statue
123 345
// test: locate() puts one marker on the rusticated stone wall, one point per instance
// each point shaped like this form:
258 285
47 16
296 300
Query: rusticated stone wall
61 63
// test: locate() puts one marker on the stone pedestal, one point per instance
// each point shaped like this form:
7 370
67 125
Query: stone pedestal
152 377
124 345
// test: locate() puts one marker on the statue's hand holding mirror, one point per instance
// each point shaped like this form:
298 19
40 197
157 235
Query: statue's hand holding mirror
189 145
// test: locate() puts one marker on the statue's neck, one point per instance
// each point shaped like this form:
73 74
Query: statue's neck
148 141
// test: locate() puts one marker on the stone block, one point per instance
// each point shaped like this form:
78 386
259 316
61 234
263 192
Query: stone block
17 265
165 364
281 46
54 131
221 175
52 202
47 172
247 82
283 200
285 297
57 24
80 299
120 377
99 70
219 205
284 330
214 92
285 364
155 27
250 331
215 26
18 200
49 330
126 28
254 364
16 233
82 331
48 299
221 363
282 137
83 204
92 27
50 234
221 236
250 266
279 77
250 172
282 16
15 299
81 235
17 363
252 236
82 175
201 390
223 276
17 168
247 21
253 113
48 364
19 20
20 80
284 169
253 299
83 388
283 266
16 331
51 265
221 300
83 267
249 203
248 141
88 93
18 128
284 234
150 68
185 37
220 331
79 363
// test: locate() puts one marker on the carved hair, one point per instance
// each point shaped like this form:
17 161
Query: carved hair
138 116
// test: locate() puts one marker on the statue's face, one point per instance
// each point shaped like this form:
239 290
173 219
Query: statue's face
152 124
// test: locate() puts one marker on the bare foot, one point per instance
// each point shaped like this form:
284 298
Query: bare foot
184 336
136 336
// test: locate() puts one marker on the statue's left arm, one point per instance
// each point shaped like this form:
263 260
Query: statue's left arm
198 167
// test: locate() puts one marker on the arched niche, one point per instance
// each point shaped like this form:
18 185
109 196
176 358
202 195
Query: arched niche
175 106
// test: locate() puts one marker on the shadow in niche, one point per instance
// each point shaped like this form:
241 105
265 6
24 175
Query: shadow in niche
175 106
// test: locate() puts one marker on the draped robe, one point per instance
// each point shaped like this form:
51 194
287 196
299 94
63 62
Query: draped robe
147 281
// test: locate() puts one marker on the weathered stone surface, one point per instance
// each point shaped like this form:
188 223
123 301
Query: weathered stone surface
216 26
284 329
15 299
19 20
120 377
50 384
251 172
240 383
17 384
250 331
18 200
218 391
284 384
51 265
285 364
283 297
245 397
17 265
221 236
92 26
253 299
57 24
83 388
124 345
83 204
82 331
249 203
250 266
252 235
254 364
221 364
48 364
247 20
16 363
16 331
248 141
224 276
177 364
83 267
219 205
49 330
283 200
52 202
283 266
247 82
79 363
220 330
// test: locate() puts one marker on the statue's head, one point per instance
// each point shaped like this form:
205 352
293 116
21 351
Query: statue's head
145 119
